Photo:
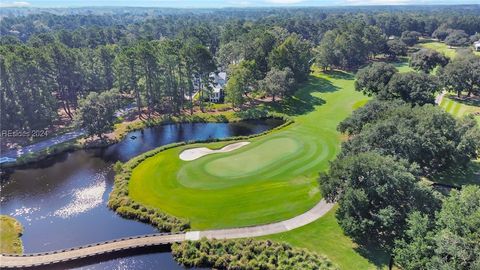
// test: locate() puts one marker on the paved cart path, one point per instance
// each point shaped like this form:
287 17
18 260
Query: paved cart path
47 258
12 155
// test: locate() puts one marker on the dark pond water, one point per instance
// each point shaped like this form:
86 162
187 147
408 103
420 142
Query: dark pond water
62 202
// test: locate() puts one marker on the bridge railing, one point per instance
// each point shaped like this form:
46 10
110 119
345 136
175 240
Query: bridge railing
95 244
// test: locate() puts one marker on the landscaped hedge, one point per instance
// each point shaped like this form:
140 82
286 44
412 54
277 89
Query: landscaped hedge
247 254
120 201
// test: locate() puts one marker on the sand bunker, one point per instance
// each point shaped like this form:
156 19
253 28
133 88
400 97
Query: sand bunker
192 154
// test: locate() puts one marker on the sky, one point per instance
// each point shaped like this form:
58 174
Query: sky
222 3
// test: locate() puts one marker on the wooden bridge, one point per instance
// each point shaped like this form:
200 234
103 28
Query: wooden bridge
65 255
157 239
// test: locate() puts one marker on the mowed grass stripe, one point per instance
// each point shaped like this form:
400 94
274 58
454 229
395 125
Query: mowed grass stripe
448 105
205 193
455 109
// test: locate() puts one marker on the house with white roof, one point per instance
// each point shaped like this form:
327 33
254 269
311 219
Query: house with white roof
217 84
476 45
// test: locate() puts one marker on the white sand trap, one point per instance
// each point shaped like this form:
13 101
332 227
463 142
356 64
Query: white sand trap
194 153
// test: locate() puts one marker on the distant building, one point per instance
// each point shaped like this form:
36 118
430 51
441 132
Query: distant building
217 84
476 45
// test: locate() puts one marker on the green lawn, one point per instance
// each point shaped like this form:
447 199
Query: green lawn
326 237
442 48
403 66
10 232
271 179
460 107
460 176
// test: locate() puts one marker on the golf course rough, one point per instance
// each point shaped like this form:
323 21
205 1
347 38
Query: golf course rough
271 179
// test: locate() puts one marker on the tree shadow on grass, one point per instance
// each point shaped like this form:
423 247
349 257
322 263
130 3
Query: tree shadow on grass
377 256
338 74
303 101
470 101
460 175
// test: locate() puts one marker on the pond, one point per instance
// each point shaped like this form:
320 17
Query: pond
61 202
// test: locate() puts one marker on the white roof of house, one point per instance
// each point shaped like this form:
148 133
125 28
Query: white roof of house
219 81
222 75
219 78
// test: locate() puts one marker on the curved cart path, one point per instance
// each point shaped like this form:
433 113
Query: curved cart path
47 258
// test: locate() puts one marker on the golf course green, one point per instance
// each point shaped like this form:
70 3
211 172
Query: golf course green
271 179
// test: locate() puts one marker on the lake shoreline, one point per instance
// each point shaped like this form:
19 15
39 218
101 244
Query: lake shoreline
121 131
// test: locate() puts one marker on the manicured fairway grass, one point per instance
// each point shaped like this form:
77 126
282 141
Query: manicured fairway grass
10 232
460 108
273 190
442 48
326 237
271 179
403 66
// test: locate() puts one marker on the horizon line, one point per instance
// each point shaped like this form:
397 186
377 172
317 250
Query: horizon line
239 7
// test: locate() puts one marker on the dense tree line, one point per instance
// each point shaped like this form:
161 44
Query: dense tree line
449 240
156 74
312 23
36 80
247 254
384 81
153 57
375 194
350 46
462 75
376 180
424 135
395 140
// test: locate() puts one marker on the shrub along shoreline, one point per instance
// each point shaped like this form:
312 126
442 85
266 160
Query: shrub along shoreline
247 254
120 201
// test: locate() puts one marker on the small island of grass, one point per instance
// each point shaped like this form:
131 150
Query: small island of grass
10 232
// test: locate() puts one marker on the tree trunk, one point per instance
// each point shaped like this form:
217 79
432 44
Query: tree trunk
67 109
390 263
137 97
191 102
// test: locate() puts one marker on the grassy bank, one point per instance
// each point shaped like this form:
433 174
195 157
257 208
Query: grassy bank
10 232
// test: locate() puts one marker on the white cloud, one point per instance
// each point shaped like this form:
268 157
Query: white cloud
284 2
15 4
